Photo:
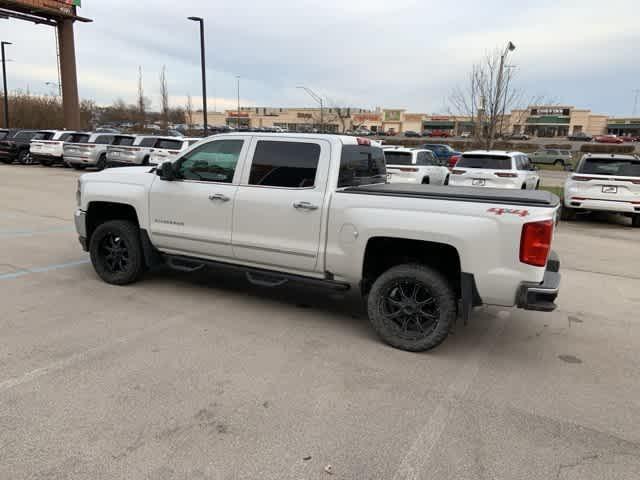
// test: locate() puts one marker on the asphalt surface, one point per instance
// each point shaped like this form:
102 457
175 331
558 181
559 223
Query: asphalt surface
202 376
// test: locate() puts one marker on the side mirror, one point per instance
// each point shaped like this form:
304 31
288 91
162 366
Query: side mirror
166 171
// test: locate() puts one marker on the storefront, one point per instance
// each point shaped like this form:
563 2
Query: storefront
624 126
446 124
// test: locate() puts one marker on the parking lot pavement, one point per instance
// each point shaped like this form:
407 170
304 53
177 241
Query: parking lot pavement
553 178
201 376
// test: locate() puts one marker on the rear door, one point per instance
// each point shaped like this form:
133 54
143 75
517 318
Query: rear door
279 205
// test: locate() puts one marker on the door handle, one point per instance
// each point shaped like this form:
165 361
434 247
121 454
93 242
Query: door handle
304 206
219 196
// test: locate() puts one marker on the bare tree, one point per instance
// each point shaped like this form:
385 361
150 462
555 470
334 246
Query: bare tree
141 103
485 97
188 112
164 98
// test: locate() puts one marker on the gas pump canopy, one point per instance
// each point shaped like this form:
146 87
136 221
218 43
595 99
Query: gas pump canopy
41 11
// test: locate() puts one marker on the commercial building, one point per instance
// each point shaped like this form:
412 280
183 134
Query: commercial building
535 121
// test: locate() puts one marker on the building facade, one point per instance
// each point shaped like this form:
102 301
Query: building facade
556 121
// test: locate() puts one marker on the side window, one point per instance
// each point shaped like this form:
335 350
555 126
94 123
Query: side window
213 162
425 159
148 142
285 164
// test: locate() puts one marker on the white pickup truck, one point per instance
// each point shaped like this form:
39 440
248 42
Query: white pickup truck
317 209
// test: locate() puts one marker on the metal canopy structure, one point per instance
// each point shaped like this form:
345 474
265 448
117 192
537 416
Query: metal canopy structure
60 14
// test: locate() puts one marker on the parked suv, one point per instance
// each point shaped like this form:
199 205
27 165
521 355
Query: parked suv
168 148
552 157
47 146
88 150
580 137
16 147
497 169
130 150
406 165
609 183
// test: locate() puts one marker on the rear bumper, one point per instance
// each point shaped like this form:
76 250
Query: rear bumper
80 159
619 206
541 297
46 157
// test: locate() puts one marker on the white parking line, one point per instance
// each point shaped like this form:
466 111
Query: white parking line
48 268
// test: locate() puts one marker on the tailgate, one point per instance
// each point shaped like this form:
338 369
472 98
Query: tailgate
477 177
46 147
78 149
607 188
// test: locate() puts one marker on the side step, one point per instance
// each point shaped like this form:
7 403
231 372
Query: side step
257 276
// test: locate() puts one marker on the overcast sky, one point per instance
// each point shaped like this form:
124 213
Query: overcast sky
395 54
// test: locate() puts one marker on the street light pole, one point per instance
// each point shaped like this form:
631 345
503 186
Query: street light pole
506 94
495 107
4 82
318 99
204 73
238 111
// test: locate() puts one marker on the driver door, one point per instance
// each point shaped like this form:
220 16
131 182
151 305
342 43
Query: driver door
192 215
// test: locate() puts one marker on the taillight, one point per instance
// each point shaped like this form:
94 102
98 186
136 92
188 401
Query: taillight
457 171
535 242
581 178
453 160
406 169
506 174
363 141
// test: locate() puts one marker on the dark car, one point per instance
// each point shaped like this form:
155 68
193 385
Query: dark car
411 133
580 137
443 152
16 147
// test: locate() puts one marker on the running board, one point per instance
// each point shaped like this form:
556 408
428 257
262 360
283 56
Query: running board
257 276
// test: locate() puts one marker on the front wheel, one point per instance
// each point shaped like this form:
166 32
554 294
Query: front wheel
412 307
425 181
116 252
23 157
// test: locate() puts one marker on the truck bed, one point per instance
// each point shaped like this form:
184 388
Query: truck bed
533 198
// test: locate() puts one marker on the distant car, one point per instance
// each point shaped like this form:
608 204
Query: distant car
406 165
16 146
465 135
629 138
495 169
106 130
441 133
411 133
84 150
580 137
441 151
608 139
552 157
518 136
609 183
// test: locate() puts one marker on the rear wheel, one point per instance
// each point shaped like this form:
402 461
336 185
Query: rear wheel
524 186
145 161
446 180
567 214
635 220
538 185
412 307
78 166
102 162
559 163
46 163
116 252
425 181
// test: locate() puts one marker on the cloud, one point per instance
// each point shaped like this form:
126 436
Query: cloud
406 53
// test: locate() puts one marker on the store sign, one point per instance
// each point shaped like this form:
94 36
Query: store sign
413 117
367 117
392 115
238 115
440 118
305 115
551 111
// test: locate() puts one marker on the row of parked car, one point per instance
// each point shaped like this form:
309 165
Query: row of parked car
88 149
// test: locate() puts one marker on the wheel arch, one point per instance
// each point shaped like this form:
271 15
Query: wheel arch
99 212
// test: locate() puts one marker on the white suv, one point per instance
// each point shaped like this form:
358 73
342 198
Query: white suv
608 183
495 169
406 165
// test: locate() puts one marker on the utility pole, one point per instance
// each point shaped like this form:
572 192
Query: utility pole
635 101
204 73
495 103
238 111
4 81
506 95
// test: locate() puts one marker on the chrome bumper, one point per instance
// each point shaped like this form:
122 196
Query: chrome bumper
80 220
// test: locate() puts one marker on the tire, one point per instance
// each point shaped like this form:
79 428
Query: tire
427 286
538 185
559 163
76 166
102 162
567 214
524 186
122 239
23 157
425 181
7 161
446 180
635 221
46 163
145 161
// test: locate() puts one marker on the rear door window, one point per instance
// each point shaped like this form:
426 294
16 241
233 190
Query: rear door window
489 162
124 141
41 136
149 142
285 164
426 159
77 138
361 165
104 140
398 158
169 144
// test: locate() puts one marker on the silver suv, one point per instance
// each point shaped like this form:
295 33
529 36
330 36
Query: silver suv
549 156
88 150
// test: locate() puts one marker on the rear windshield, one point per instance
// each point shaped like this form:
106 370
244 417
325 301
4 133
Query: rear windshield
169 144
490 162
24 135
398 158
125 141
361 165
41 136
77 138
3 134
610 166
104 140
